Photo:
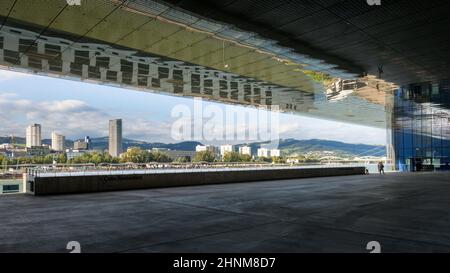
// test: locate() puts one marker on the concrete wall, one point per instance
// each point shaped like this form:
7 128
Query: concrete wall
16 182
81 184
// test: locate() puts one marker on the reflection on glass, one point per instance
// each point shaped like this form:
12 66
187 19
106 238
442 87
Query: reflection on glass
104 63
421 127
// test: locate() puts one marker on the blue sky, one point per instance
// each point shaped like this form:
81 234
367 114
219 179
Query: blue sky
76 109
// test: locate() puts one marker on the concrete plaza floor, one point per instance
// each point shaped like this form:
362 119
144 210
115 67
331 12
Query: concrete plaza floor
405 212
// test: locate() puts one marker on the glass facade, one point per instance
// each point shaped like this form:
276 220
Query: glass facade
421 127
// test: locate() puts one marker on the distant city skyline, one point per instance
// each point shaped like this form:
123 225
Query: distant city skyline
76 109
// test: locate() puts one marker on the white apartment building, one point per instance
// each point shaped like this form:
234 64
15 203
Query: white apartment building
263 152
201 148
227 148
245 150
33 136
58 142
275 152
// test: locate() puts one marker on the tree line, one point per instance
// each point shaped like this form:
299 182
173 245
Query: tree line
136 155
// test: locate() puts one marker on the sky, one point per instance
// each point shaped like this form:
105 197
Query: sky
77 109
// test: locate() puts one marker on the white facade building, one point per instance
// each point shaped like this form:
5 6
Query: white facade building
275 152
80 145
72 153
245 150
33 136
201 148
58 142
6 146
227 148
263 152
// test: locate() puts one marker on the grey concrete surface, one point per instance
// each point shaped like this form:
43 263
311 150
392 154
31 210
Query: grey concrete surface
404 212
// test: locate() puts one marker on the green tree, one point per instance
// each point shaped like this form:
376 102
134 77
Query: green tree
301 158
47 159
4 160
160 157
319 76
107 158
231 157
183 159
264 159
135 155
204 156
94 157
61 158
246 158
311 160
278 159
83 158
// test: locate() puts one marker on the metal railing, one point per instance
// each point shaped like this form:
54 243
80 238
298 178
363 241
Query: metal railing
155 167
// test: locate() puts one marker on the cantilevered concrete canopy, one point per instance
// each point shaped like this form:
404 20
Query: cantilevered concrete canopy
183 50
409 38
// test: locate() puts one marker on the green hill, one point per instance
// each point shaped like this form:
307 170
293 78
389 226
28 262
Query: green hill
287 146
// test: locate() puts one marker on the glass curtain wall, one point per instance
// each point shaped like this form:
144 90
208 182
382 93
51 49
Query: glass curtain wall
421 127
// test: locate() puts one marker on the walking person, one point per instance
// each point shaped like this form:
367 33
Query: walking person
380 167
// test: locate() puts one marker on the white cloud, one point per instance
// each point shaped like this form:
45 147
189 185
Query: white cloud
6 75
70 117
73 118
147 130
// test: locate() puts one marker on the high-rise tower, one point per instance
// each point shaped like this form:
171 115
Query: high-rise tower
58 142
33 136
115 137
